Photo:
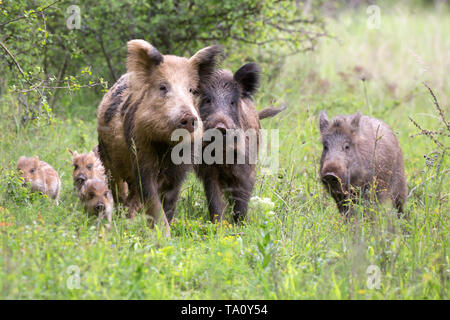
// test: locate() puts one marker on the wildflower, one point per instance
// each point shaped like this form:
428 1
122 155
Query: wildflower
265 203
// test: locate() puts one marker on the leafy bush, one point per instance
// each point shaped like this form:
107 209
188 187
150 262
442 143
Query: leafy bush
45 55
13 188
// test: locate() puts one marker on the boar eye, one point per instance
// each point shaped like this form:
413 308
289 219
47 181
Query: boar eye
32 170
193 91
207 100
163 88
89 166
91 195
106 194
75 167
347 146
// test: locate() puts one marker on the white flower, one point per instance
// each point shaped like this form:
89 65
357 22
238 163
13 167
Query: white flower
264 203
197 204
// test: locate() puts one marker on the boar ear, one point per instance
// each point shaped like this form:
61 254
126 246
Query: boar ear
207 59
36 161
248 77
142 57
323 121
355 121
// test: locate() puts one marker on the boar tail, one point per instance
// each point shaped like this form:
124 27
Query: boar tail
270 112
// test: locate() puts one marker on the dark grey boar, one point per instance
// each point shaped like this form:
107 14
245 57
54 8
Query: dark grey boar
226 105
361 157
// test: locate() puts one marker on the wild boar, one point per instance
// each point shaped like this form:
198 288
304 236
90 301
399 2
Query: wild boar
361 157
226 105
86 166
97 199
137 117
41 175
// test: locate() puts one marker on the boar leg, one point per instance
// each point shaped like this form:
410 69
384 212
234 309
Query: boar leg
123 191
133 201
241 191
56 192
155 211
398 204
152 201
214 197
118 189
240 197
170 198
153 206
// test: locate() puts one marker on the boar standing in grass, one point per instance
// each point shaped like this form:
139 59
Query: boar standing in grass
41 175
361 158
97 199
86 166
226 105
136 119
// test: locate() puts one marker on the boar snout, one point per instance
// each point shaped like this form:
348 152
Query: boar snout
330 178
221 123
333 174
221 127
99 207
334 182
188 121
80 179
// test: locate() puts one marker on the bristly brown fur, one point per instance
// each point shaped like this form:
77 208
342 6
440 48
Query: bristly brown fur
135 143
42 177
361 155
97 199
86 166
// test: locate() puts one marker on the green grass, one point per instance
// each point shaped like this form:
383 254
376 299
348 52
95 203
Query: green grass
298 249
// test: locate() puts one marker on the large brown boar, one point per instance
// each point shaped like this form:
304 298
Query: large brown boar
226 106
361 158
42 177
137 117
86 166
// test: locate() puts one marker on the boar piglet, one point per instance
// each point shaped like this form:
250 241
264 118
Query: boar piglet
42 177
361 158
227 109
137 117
97 199
86 166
